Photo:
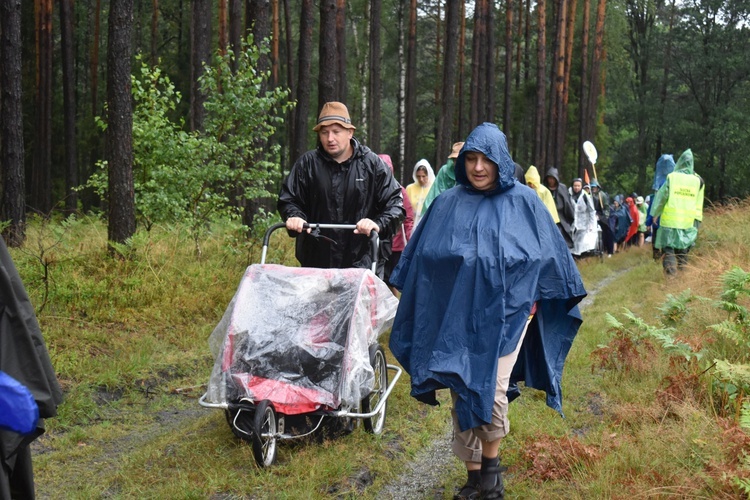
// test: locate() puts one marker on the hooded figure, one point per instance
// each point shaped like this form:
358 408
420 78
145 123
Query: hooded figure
445 179
664 167
563 203
417 191
678 208
633 213
534 181
485 255
24 357
619 219
404 232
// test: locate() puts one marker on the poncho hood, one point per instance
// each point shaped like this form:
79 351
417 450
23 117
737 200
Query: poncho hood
532 177
470 275
664 167
489 140
552 172
685 163
430 173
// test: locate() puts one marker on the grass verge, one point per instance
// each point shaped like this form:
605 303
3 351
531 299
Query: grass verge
128 339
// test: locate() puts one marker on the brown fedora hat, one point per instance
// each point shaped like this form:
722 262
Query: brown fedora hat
456 149
334 112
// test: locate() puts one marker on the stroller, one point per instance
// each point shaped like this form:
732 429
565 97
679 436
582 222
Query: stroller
299 345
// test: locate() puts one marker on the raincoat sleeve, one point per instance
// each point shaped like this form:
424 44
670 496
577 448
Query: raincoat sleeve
293 191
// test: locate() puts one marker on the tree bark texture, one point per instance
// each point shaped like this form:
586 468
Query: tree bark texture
69 105
448 88
583 93
539 158
11 126
119 135
375 85
410 151
304 60
200 53
328 68
41 178
596 71
341 50
508 63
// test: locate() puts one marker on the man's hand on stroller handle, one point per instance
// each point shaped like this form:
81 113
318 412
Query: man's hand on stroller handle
366 226
296 224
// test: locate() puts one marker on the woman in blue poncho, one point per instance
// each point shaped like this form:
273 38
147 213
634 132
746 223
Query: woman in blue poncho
486 258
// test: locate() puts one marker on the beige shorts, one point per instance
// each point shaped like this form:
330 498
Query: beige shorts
467 445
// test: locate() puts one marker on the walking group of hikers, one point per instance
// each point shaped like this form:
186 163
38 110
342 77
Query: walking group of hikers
489 286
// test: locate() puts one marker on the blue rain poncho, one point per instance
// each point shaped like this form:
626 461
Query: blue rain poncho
470 275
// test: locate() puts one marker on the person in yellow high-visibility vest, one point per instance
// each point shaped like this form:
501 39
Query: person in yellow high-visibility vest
679 206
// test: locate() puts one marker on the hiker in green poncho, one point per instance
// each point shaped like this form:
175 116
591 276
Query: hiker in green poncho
679 206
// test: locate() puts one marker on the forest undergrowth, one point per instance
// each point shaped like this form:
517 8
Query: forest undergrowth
654 388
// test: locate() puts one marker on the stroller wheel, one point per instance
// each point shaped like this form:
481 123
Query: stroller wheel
264 434
375 424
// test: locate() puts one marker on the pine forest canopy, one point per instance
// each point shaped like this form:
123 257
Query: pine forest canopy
638 78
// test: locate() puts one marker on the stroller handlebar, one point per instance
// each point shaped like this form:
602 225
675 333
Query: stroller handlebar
374 239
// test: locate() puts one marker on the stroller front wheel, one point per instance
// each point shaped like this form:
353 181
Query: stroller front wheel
376 424
264 434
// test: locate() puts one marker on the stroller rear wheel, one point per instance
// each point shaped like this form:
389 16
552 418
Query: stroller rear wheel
376 424
264 434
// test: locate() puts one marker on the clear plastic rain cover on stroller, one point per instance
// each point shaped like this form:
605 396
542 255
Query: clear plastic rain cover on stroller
300 338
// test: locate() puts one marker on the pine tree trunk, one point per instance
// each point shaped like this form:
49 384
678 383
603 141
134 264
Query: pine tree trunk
119 133
200 31
489 57
69 105
596 72
665 81
541 84
569 40
223 31
583 133
11 126
341 50
235 30
94 64
328 66
304 60
275 33
477 65
154 31
401 98
448 87
508 62
410 152
375 84
41 178
462 130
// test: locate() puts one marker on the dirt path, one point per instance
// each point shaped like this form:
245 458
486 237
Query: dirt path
423 477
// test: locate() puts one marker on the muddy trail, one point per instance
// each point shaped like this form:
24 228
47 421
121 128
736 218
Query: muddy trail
421 478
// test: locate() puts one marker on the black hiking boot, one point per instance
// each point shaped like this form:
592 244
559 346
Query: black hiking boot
491 485
470 491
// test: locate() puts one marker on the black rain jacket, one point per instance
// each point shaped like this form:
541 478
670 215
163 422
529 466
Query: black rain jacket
319 189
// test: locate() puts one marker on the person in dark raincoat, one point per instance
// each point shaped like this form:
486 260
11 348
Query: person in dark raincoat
24 357
565 208
486 255
340 182
664 167
619 222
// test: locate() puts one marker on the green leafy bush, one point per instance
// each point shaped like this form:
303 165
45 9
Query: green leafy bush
198 177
